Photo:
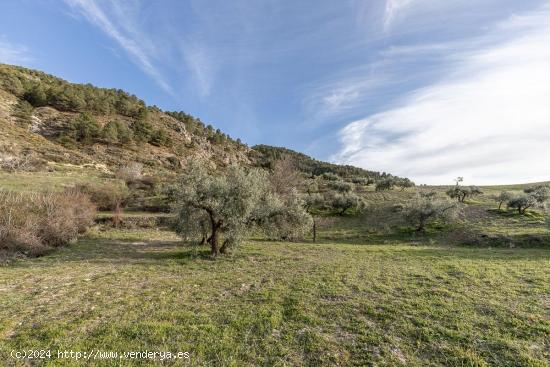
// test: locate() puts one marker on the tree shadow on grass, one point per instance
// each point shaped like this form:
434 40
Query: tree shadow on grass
121 252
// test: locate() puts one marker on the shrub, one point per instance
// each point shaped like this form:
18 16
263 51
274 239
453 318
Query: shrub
522 202
160 138
385 184
426 208
404 183
23 111
461 193
363 181
83 129
532 197
342 203
108 196
502 198
329 176
34 223
142 130
36 96
64 216
340 186
131 172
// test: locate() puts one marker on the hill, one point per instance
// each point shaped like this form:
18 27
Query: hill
265 156
47 123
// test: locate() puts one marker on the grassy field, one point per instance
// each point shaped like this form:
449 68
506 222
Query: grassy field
42 181
280 304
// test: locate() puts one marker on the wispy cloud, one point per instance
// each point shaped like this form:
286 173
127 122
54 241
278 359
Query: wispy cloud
488 119
13 54
117 20
393 8
341 95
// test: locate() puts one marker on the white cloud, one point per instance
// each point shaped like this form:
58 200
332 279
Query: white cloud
199 62
118 23
487 120
13 54
393 8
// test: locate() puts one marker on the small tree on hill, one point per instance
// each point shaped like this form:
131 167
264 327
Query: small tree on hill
84 129
522 202
340 186
329 176
426 208
404 183
362 181
342 203
461 193
532 197
502 198
540 193
385 184
142 130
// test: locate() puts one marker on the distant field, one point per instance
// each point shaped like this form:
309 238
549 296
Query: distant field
280 304
516 186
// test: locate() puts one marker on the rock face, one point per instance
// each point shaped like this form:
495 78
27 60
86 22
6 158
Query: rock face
39 133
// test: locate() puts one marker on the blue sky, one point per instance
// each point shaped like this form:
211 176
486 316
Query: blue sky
428 89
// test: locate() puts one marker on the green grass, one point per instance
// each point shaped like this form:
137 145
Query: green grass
276 304
41 181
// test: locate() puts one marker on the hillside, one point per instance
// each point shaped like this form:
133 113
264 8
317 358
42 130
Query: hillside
266 155
47 122
50 121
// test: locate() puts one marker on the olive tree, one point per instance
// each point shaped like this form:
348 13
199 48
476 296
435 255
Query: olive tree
502 198
362 181
531 197
340 186
342 203
461 193
220 209
522 202
540 193
385 184
404 183
329 176
426 207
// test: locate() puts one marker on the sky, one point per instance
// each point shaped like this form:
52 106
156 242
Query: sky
425 89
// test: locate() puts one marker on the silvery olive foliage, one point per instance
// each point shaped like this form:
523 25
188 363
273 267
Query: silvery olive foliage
531 197
426 208
220 208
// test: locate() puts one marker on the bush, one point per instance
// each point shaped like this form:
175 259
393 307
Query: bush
362 181
116 132
23 111
131 172
329 176
461 193
532 197
83 129
343 203
385 184
142 130
426 208
107 196
160 138
34 223
340 186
